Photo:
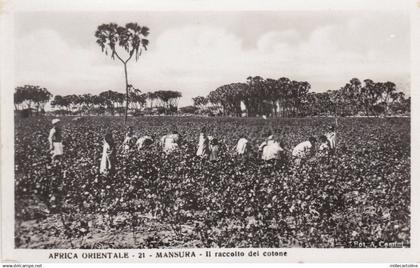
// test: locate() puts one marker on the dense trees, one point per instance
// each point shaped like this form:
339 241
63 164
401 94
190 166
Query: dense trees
257 97
369 98
228 97
200 101
138 99
289 98
188 109
31 97
112 102
168 99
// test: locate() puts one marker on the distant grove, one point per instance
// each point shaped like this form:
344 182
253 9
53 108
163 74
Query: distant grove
289 98
255 97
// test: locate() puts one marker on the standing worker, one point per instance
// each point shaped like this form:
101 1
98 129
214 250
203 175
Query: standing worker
108 155
56 140
203 143
214 149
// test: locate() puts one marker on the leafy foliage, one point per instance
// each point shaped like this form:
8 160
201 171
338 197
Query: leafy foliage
132 38
290 98
30 96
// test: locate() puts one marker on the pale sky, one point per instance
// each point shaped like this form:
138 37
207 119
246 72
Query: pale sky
196 52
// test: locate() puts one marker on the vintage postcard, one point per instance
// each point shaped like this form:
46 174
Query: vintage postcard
200 131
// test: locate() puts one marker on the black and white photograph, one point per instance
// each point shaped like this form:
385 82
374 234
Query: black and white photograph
211 129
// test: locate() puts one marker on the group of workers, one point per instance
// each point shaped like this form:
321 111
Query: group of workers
208 147
272 148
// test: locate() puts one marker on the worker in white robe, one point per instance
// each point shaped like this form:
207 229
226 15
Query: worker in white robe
143 142
55 139
107 165
241 147
304 150
203 143
169 142
271 149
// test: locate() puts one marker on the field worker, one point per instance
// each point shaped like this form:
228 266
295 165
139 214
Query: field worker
325 145
170 142
242 146
214 148
304 150
108 155
56 139
271 149
144 142
203 143
127 140
264 143
331 136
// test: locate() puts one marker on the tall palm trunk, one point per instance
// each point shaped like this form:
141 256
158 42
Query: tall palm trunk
126 93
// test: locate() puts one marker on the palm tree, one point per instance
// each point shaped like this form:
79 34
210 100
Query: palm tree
132 38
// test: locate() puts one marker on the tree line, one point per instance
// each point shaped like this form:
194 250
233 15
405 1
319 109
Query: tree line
257 97
28 97
31 97
289 98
